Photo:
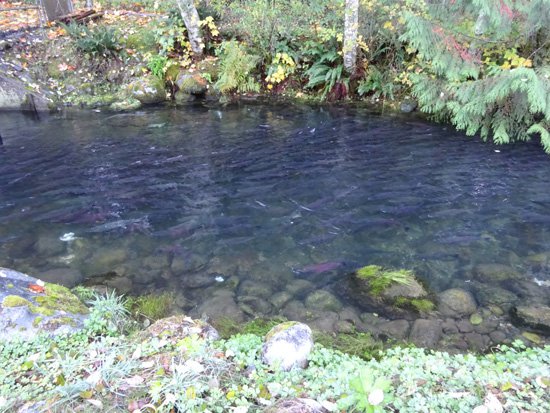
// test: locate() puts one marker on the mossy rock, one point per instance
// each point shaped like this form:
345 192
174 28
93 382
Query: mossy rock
148 90
29 306
125 105
399 289
191 83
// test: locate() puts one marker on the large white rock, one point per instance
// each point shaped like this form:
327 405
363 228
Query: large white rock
287 346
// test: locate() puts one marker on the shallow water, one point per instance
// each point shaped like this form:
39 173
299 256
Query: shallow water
181 200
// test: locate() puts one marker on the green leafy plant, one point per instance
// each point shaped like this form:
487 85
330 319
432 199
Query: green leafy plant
379 279
369 394
158 64
327 71
379 83
151 306
95 41
109 314
236 69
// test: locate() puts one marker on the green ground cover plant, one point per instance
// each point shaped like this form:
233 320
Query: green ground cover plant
104 367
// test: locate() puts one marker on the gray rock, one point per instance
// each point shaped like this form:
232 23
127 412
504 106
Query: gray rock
47 246
464 326
69 277
280 299
254 306
220 304
398 329
408 105
198 280
494 272
456 302
325 321
450 327
14 95
287 346
476 341
299 286
25 312
322 300
148 90
498 337
535 317
426 333
294 310
489 295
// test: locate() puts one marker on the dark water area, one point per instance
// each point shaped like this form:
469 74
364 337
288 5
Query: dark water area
249 210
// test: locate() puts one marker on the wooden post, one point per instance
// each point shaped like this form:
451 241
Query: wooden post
57 8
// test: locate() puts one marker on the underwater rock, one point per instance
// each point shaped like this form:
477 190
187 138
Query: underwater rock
106 258
287 346
494 272
534 317
220 304
280 299
148 90
494 296
324 321
254 306
299 286
29 306
256 289
456 302
294 310
47 246
398 329
398 290
322 300
198 280
69 277
426 333
476 341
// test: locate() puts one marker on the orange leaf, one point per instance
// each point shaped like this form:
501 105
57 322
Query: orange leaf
35 288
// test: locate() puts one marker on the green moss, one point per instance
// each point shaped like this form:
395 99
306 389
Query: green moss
279 328
421 305
15 301
10 285
476 319
36 322
59 298
379 279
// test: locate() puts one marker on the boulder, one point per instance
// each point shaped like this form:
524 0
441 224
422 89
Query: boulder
14 95
457 303
534 317
397 289
125 105
322 300
408 105
426 333
148 90
191 83
494 272
287 346
29 306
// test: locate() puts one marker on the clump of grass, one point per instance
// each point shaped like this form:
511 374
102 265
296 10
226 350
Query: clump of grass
421 305
380 279
358 344
228 327
152 306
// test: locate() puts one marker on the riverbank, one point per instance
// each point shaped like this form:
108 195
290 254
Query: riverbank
114 363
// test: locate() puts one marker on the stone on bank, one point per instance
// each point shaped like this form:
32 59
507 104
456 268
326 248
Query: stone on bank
29 306
287 346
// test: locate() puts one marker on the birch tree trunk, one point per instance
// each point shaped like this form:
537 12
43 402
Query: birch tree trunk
191 19
351 28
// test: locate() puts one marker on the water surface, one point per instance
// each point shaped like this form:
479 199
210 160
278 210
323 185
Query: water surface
253 200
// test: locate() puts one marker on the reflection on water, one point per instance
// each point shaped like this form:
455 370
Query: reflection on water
252 209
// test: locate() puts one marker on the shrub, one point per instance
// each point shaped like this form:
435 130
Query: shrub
96 41
236 66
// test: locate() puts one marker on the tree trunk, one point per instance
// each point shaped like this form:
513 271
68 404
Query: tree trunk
191 19
351 28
